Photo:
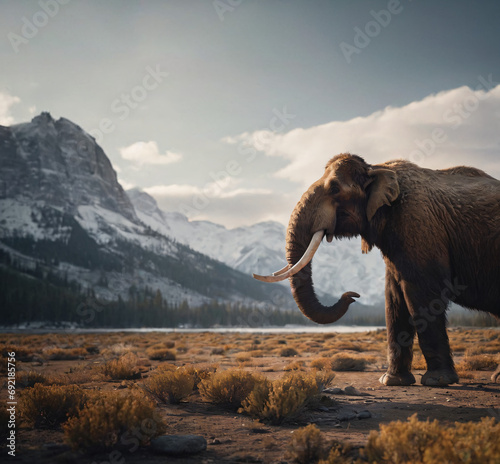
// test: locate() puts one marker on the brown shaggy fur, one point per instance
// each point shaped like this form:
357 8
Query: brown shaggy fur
440 238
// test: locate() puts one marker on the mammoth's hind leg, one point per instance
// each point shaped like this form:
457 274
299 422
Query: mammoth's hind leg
428 310
400 335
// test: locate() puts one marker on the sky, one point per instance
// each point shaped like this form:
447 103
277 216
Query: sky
226 110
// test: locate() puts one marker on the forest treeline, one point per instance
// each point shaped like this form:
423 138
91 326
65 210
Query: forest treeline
39 296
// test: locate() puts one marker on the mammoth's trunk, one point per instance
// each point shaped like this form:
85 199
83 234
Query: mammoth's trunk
302 283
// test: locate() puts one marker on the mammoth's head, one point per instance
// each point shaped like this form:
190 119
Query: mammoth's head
339 204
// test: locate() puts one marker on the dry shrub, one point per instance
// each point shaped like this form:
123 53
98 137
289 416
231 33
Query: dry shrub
92 349
165 367
118 349
200 373
229 388
171 386
294 366
285 399
288 352
243 358
111 419
165 344
30 378
321 364
48 406
66 354
84 374
307 446
182 348
341 453
347 346
345 362
161 354
419 363
477 362
22 354
428 442
124 368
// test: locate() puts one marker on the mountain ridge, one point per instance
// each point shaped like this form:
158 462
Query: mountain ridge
61 206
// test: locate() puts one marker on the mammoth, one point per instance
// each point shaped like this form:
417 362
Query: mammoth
439 234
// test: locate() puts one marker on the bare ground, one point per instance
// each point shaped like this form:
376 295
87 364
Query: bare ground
234 437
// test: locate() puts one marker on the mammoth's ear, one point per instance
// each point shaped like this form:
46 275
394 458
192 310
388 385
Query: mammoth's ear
384 189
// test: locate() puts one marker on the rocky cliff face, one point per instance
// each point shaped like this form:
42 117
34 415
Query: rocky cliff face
58 163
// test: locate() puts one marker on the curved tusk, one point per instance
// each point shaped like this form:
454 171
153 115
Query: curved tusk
285 273
281 271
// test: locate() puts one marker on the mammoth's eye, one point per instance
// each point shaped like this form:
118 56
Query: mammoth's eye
334 188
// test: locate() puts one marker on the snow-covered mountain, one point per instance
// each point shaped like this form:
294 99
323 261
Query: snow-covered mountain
338 266
62 210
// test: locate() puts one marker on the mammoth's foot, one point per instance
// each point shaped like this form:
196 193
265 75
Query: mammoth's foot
496 375
439 378
401 378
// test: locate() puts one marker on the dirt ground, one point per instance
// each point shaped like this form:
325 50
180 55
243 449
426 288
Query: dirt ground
233 437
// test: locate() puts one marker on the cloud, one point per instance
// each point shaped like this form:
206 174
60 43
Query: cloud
459 126
222 188
126 185
224 202
148 153
6 101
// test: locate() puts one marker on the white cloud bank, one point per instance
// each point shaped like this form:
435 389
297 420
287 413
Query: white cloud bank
459 126
142 153
6 101
223 201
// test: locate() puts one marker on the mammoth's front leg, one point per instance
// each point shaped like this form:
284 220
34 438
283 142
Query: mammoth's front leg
400 334
428 309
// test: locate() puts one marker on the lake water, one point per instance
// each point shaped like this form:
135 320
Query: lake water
260 330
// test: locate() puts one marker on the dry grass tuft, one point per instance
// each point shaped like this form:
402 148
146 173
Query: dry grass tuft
427 442
288 352
229 388
307 446
200 373
285 399
419 362
66 354
161 354
171 386
111 420
322 363
294 366
477 362
124 368
30 378
345 362
48 406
